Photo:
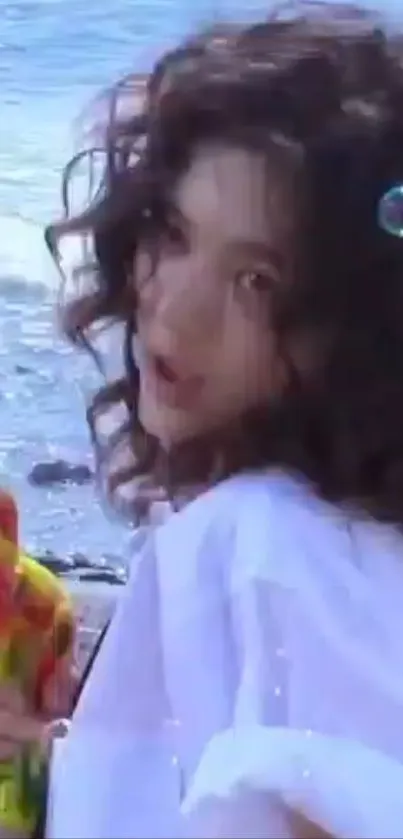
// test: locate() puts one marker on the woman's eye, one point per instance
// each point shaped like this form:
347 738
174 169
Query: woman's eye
257 280
173 238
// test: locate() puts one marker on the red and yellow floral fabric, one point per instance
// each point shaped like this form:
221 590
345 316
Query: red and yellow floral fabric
36 652
36 629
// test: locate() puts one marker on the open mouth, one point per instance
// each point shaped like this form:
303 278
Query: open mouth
164 370
171 385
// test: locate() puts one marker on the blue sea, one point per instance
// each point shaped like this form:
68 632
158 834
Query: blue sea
55 56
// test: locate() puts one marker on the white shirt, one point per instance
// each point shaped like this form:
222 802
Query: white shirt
260 641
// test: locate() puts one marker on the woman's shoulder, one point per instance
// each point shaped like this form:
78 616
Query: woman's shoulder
255 493
242 495
273 525
244 523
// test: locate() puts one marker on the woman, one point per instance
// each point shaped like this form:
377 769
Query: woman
247 238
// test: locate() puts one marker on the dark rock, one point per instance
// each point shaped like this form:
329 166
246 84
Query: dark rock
55 563
59 472
103 575
22 370
109 560
77 566
80 560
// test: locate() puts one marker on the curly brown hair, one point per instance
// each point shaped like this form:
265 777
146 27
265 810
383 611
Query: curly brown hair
324 84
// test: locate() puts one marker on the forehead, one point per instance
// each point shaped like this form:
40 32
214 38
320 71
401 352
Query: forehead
227 192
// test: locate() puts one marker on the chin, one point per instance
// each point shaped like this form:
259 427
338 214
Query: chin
169 425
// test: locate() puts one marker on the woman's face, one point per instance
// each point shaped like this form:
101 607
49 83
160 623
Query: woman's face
206 350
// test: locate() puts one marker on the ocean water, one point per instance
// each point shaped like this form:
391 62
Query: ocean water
55 56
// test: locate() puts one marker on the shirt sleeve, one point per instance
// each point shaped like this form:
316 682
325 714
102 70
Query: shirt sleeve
274 782
261 777
223 800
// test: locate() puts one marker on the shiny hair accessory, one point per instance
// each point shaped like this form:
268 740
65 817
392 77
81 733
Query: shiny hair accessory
390 211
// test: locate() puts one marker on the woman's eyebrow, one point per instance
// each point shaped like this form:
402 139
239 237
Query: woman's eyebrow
257 249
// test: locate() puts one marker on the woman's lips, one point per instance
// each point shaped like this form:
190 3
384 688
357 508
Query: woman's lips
165 370
170 386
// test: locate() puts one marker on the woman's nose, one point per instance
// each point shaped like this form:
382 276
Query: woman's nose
188 300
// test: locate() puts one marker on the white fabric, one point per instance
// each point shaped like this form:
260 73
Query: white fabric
258 604
349 790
